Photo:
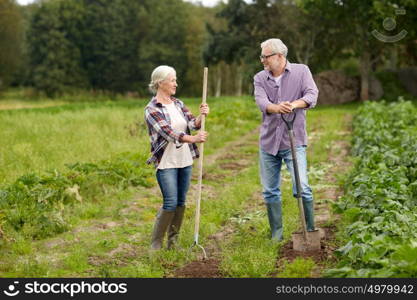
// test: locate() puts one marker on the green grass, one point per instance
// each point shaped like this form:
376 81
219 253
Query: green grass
299 268
35 140
71 132
42 139
108 232
19 98
250 252
326 123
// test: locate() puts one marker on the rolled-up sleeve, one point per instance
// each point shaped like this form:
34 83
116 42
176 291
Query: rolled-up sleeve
310 91
191 120
156 120
261 97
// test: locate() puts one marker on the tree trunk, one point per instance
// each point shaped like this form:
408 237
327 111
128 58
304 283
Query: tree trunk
394 58
239 81
365 70
310 47
218 81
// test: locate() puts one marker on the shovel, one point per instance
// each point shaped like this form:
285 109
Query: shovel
304 240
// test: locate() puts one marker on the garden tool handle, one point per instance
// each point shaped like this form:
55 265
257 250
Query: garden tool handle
200 163
289 122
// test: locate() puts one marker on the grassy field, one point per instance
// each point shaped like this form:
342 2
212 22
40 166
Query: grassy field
107 233
39 139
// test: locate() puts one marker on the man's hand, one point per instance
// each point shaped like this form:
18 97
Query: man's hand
280 108
300 103
285 107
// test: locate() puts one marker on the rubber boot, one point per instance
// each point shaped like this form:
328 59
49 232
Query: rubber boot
275 220
174 227
309 214
163 219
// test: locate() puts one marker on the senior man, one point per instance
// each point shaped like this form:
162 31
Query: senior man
281 88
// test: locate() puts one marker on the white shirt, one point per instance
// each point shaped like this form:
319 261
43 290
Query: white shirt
174 157
278 79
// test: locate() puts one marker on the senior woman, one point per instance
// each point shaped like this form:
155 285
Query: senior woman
173 149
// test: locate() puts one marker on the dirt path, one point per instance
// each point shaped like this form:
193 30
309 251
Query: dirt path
12 105
338 164
210 268
229 158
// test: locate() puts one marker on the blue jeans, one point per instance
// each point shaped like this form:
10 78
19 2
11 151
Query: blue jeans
270 169
174 184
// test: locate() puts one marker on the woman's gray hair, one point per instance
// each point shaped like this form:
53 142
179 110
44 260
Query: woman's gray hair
276 46
159 74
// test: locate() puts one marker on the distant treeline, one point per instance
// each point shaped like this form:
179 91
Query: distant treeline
63 46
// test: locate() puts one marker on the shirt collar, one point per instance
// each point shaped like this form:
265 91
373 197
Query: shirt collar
159 104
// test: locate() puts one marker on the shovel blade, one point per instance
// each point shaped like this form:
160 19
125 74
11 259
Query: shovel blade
310 243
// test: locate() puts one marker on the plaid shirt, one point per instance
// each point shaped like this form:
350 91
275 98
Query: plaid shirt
160 130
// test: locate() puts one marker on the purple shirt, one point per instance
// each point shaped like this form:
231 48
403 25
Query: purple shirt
296 83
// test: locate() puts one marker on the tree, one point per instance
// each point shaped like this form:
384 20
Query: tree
11 38
196 35
357 20
111 35
313 36
163 43
238 43
55 57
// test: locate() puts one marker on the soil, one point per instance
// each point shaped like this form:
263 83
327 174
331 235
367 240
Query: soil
208 268
320 257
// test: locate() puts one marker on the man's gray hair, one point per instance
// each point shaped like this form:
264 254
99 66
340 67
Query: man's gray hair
159 74
276 46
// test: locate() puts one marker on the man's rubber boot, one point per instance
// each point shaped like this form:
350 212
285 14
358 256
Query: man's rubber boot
309 214
275 220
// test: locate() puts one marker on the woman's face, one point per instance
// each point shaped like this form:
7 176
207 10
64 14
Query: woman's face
169 85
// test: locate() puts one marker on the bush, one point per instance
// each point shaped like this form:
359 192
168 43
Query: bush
34 205
392 85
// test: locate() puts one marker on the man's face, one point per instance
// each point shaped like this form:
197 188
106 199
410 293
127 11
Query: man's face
270 59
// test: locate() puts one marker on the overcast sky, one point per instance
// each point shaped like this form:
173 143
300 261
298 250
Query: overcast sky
205 2
23 2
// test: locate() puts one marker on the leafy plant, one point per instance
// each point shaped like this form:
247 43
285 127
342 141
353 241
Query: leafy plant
34 204
380 199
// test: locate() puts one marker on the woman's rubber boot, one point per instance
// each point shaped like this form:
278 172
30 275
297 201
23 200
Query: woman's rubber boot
163 220
174 228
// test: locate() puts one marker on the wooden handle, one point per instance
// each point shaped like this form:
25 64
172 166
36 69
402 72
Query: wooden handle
203 117
200 162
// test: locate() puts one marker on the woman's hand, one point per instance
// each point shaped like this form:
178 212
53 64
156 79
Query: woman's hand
204 109
200 137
